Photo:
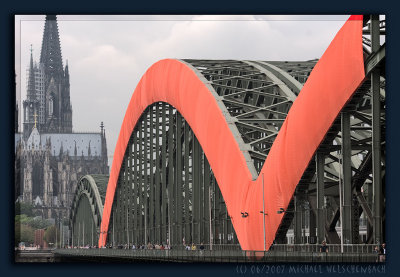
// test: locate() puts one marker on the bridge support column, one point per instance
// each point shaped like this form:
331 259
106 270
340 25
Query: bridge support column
152 166
376 134
370 204
355 221
207 203
196 188
136 190
164 216
178 182
171 231
320 165
201 193
346 170
141 185
117 213
224 221
113 229
157 186
217 213
147 202
131 193
297 220
312 227
124 208
188 233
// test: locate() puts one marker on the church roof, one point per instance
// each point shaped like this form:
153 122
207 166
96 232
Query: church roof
34 139
84 143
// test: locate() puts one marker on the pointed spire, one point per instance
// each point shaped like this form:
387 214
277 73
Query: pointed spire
101 128
31 95
31 62
75 150
61 149
50 55
66 71
89 150
104 146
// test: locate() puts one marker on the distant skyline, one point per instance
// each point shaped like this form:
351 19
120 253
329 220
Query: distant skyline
107 55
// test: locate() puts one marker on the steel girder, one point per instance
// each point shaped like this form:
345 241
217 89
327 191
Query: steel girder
256 96
166 190
255 99
87 209
360 176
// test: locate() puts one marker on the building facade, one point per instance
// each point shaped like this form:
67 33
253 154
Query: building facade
49 157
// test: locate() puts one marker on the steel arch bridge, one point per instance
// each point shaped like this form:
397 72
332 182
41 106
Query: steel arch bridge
87 209
230 152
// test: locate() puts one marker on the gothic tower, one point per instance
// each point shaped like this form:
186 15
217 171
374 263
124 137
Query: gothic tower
50 158
58 111
31 104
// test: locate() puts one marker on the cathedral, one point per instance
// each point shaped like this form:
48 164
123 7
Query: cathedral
49 157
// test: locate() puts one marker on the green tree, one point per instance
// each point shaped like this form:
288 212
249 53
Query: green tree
24 208
35 223
50 234
23 219
39 223
24 233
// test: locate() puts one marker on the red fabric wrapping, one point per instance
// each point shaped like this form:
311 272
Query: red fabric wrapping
331 84
177 84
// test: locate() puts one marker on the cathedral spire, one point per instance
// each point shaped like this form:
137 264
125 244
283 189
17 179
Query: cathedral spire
66 71
31 95
89 149
31 104
50 55
104 147
58 114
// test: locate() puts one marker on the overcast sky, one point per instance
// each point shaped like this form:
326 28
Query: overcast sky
107 55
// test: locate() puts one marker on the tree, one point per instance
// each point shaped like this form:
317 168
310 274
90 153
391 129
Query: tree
50 234
23 219
24 233
35 223
39 223
23 208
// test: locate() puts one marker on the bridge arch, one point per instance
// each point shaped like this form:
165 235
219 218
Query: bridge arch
271 100
176 83
87 209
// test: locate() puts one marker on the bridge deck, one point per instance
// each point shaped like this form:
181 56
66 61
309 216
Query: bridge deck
33 256
129 255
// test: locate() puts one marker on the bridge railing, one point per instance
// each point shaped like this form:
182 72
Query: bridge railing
222 247
218 255
332 248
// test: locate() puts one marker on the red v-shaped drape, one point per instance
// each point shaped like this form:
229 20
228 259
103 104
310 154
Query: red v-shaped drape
331 84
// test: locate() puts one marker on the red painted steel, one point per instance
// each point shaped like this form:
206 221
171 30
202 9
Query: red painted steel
331 84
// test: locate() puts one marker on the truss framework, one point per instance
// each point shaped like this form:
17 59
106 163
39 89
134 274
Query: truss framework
87 209
166 190
165 178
